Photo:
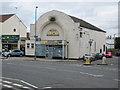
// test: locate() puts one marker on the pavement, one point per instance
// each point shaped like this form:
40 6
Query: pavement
37 59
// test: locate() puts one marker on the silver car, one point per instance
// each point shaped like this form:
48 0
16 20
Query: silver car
13 52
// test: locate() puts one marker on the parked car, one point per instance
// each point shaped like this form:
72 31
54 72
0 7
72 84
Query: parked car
108 55
99 56
117 53
86 56
13 52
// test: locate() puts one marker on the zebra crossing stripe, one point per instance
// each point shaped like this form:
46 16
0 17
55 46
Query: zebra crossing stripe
7 82
17 85
26 87
8 86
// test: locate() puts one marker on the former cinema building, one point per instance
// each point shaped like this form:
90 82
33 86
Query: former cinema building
63 36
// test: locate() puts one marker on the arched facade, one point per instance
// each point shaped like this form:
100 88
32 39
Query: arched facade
65 36
55 34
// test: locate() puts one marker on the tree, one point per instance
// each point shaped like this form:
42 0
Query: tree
117 43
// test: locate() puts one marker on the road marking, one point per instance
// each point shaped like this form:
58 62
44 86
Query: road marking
15 84
20 81
46 87
7 82
0 83
94 75
87 66
28 84
116 80
9 63
26 87
8 86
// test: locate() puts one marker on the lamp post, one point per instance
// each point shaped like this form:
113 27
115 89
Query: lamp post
35 29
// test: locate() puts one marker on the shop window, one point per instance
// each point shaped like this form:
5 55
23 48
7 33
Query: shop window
32 45
28 45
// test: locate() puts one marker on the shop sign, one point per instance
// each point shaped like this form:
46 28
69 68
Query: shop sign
52 42
10 37
53 32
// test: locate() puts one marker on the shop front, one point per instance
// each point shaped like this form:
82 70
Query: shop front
50 49
10 42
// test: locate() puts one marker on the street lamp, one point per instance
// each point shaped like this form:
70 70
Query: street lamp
35 29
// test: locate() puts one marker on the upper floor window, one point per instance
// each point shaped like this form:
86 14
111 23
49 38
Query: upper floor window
32 45
28 45
14 30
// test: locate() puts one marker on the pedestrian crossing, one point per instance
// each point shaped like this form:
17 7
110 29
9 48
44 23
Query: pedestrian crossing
14 85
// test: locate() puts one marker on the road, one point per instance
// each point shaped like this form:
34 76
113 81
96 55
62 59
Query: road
58 74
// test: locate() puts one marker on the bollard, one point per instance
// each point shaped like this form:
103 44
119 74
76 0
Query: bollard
87 62
104 61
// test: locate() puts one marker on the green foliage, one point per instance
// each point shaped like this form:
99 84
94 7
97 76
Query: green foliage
117 43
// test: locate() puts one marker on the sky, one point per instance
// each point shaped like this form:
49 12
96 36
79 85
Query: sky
99 13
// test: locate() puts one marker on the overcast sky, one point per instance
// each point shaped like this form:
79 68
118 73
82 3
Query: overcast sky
101 14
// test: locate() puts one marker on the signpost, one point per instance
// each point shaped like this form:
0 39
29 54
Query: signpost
90 43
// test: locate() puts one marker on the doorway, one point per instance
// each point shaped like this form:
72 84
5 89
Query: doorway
49 51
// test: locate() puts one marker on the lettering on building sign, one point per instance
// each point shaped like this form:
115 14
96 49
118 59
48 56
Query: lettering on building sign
50 42
53 32
10 37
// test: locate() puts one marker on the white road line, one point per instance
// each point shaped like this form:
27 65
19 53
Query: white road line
0 83
87 66
18 85
94 75
25 87
116 80
46 87
9 63
8 86
20 81
9 78
7 82
28 84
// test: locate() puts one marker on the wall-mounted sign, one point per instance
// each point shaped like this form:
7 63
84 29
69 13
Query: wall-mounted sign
10 37
53 32
52 42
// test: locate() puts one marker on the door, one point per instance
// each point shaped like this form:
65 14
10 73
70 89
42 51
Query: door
49 51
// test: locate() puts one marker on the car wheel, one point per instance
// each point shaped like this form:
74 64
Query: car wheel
9 55
21 55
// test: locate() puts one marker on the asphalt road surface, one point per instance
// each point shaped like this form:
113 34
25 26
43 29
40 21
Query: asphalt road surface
30 74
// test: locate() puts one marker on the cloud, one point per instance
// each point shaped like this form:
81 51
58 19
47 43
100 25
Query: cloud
101 14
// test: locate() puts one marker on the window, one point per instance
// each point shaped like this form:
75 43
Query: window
14 30
80 34
103 47
16 51
32 45
28 45
95 46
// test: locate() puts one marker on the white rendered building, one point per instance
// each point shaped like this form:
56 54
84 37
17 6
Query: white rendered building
12 32
65 36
